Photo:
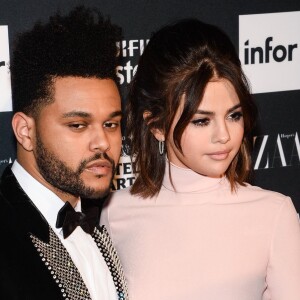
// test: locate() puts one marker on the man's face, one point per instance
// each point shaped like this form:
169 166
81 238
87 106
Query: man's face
78 136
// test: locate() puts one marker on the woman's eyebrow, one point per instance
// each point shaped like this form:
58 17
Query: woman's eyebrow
233 108
211 113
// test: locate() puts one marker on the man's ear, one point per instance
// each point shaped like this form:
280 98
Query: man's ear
158 133
24 129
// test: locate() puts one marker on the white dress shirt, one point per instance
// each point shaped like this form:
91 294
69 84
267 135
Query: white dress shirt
80 245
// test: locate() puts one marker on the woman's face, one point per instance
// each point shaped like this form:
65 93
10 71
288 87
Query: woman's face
214 135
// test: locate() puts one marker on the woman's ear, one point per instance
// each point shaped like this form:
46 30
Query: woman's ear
158 133
24 129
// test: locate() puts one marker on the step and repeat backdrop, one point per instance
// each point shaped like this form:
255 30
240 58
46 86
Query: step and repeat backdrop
266 35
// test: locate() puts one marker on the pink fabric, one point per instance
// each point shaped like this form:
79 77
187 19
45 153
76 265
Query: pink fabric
205 242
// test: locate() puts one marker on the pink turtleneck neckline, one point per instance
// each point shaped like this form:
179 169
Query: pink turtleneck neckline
187 181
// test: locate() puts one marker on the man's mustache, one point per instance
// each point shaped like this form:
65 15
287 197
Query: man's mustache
97 156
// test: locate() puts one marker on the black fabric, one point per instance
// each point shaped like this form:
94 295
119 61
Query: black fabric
23 275
68 219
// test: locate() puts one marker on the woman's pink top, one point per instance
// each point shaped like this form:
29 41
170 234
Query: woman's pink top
205 242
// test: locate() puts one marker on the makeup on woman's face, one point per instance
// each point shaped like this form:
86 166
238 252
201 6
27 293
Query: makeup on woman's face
213 137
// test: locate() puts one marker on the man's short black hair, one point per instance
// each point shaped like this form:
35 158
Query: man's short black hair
82 43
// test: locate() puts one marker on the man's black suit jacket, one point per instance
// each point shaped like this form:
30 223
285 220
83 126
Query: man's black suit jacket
23 274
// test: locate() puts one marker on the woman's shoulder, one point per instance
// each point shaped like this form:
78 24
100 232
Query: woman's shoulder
256 193
121 196
116 200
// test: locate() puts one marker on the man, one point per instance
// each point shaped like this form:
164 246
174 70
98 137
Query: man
66 121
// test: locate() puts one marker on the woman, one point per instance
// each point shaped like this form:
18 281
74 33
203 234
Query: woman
190 227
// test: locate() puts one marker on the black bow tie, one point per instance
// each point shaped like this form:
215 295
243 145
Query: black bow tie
69 219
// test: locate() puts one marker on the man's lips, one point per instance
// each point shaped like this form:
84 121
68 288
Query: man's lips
219 155
99 167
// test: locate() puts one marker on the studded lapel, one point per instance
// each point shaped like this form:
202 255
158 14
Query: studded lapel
60 265
31 229
66 275
112 260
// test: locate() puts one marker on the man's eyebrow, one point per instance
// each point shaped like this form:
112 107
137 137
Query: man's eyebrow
211 113
76 113
116 114
83 114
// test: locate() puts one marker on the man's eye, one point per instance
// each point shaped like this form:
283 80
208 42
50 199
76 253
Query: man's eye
111 125
76 125
201 122
236 116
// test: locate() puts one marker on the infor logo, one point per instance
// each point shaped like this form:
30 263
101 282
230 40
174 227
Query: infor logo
267 52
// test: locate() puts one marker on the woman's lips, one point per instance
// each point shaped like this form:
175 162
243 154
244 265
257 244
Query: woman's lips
220 155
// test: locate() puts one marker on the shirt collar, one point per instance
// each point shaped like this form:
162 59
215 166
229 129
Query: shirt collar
47 202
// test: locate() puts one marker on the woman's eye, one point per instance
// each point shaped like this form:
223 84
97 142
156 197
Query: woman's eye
201 122
236 116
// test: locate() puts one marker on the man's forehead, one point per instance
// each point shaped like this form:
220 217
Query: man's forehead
81 89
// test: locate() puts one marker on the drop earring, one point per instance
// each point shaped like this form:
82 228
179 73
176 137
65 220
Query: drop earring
161 147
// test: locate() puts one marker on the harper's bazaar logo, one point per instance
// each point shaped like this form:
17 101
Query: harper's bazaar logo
273 151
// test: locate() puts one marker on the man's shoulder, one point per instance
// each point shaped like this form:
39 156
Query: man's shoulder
17 211
8 181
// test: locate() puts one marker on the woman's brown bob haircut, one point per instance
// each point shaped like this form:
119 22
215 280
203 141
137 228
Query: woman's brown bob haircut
181 59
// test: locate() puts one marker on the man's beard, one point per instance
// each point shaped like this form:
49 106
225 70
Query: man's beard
63 178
